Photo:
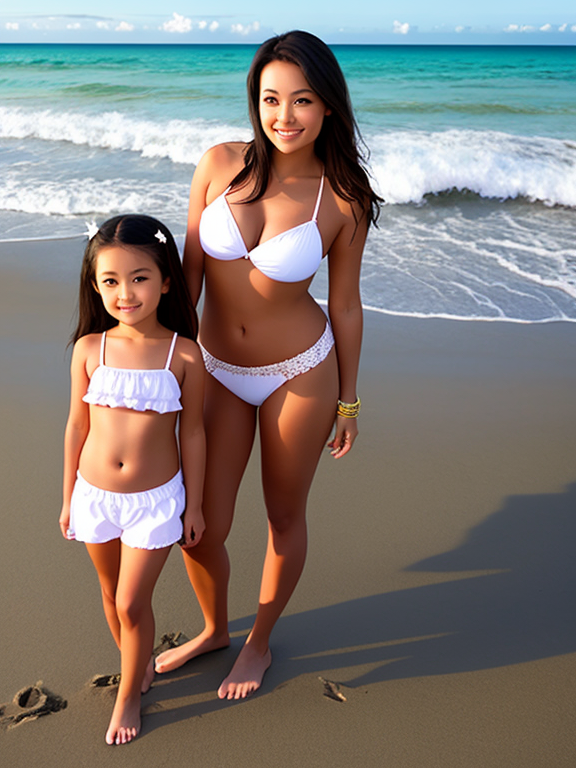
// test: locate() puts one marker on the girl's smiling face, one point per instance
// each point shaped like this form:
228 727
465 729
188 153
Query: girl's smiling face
130 283
291 113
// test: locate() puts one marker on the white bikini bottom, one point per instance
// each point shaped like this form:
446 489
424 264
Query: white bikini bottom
255 383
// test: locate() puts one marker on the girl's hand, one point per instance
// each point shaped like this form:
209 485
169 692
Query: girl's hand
194 526
343 440
64 523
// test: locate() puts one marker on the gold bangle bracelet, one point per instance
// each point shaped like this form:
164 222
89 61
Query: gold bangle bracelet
348 410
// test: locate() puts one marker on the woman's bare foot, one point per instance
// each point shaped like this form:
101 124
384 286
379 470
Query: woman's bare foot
125 722
148 677
203 643
246 674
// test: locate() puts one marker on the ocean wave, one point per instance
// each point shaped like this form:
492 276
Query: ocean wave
89 197
181 141
463 108
410 165
407 165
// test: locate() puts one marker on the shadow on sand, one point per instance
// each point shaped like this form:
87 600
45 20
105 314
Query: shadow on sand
522 610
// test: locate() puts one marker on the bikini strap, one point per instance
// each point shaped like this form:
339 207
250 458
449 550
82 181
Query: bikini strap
102 348
171 352
319 198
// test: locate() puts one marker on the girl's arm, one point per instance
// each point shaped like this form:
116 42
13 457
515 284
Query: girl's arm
77 428
192 440
345 310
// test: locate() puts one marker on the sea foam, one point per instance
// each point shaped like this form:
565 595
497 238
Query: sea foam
410 165
407 165
181 141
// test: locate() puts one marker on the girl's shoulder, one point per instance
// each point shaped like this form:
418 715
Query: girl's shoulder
86 354
87 344
187 349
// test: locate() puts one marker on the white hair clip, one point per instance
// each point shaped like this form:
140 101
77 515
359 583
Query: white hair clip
91 229
161 236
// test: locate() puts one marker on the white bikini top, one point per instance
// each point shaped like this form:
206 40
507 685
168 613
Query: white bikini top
288 257
156 389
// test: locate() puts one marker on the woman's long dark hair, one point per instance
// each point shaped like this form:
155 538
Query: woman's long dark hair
175 311
338 141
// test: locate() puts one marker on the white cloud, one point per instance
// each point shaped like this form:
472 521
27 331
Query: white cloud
202 24
74 25
213 26
245 29
519 28
124 26
573 28
12 25
401 28
177 23
546 28
102 25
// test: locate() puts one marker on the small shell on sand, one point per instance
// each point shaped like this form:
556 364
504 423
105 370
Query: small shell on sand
332 690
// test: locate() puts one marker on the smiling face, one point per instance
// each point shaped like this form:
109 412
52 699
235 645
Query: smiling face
291 113
130 284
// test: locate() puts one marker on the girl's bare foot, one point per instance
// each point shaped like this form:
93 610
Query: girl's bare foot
203 643
125 722
246 674
148 677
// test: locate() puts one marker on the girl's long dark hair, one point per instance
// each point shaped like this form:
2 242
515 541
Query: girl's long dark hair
337 146
175 311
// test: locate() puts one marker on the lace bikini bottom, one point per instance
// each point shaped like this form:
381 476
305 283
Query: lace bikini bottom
255 383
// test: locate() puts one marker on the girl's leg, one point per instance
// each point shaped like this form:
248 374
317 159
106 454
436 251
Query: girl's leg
295 423
106 560
230 424
139 572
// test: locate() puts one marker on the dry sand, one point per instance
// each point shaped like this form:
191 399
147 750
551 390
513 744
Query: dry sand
439 588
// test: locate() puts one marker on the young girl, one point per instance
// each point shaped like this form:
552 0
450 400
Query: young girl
131 490
262 216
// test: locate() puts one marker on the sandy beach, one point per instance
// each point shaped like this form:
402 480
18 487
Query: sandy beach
438 596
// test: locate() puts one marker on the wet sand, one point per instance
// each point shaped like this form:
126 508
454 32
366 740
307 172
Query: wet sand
439 588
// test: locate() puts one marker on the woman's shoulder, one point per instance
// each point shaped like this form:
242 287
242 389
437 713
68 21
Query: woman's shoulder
228 156
350 211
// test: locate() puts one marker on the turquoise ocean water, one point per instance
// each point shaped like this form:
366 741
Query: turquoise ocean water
473 148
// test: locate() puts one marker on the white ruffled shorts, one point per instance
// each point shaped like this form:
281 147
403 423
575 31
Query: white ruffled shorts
144 520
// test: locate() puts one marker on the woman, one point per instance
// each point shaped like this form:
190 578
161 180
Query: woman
262 215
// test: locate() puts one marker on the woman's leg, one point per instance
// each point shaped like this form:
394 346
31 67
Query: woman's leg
139 572
230 424
295 422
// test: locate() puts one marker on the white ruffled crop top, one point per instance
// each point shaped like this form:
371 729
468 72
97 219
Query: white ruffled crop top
288 257
156 389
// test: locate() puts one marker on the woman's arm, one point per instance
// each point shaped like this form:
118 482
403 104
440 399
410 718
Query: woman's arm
345 310
216 169
77 428
192 439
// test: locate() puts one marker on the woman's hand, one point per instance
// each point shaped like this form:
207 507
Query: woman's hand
343 440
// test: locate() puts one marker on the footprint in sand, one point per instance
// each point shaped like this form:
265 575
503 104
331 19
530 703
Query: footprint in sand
30 703
168 640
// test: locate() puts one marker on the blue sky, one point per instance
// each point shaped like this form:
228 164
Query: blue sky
370 21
